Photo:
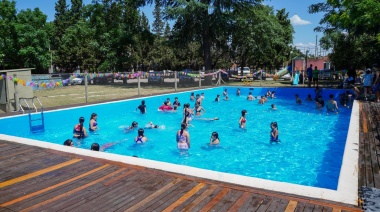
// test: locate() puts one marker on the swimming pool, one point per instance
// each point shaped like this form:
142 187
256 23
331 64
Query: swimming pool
310 154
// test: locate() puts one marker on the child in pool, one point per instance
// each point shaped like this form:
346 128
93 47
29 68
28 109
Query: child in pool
274 132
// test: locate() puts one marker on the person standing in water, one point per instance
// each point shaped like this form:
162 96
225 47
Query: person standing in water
242 120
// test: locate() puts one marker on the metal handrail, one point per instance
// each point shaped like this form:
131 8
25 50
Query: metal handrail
26 102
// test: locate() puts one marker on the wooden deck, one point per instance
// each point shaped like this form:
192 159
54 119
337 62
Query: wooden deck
38 179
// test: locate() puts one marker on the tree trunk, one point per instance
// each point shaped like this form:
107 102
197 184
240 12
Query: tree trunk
206 41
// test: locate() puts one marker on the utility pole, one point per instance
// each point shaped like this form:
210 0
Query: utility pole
316 46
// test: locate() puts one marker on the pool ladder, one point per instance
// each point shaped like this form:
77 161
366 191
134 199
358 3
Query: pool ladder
37 124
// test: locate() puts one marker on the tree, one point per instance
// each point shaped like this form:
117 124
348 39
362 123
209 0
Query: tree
202 21
359 21
24 38
158 24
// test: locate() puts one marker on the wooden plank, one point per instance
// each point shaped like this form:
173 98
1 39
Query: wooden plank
292 205
253 203
89 196
375 150
142 193
300 207
368 164
228 200
61 190
72 191
336 210
22 152
155 194
28 166
308 207
242 199
200 198
37 173
52 187
318 208
215 200
171 195
45 180
126 195
184 197
362 167
279 205
267 202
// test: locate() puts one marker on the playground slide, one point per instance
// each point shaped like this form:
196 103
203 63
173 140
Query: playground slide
296 78
280 73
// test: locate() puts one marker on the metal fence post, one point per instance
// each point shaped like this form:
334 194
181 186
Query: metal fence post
175 80
200 80
85 85
138 85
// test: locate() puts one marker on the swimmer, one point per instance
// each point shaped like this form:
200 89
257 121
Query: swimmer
250 97
132 127
225 93
214 140
93 124
331 105
273 107
242 119
176 102
165 107
198 110
142 107
68 142
183 138
309 98
262 100
140 138
95 147
298 100
150 125
192 97
217 99
274 133
319 102
80 131
238 92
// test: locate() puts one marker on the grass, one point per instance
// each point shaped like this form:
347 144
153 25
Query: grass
75 95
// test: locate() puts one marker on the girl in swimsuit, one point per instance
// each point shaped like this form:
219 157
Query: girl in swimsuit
242 119
214 140
192 97
183 138
198 109
274 132
93 124
140 138
80 131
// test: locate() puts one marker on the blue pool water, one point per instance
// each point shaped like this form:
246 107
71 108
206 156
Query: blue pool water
310 153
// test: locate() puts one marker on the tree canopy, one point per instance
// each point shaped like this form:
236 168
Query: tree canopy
114 35
352 29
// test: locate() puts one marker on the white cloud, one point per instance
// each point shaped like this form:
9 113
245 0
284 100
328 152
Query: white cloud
304 45
296 20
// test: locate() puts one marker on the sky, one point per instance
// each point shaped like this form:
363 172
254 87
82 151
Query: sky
303 23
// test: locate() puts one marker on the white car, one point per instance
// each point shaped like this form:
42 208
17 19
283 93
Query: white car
79 80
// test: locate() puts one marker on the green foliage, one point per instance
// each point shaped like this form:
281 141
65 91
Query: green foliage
24 37
352 29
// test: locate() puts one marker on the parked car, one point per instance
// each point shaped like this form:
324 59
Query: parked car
258 75
79 80
184 77
155 77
